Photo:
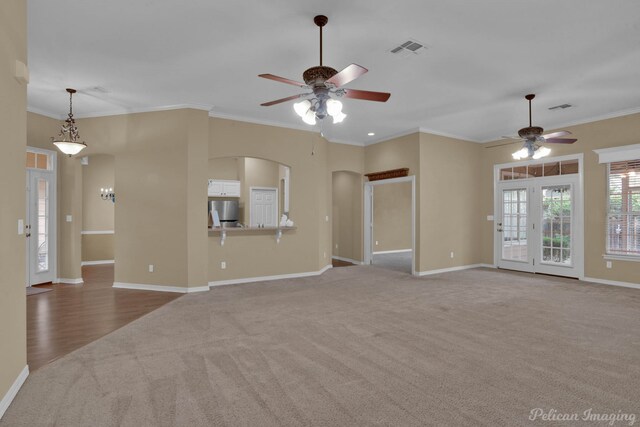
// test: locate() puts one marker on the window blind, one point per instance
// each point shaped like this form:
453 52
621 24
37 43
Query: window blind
623 219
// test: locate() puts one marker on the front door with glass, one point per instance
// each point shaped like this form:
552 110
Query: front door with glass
40 227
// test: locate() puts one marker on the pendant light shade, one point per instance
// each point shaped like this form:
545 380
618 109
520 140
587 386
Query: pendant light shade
68 140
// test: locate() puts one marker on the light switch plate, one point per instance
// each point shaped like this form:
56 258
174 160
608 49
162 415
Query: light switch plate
20 227
69 218
489 217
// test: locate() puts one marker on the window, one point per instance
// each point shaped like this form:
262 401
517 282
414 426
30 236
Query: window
623 219
565 167
37 160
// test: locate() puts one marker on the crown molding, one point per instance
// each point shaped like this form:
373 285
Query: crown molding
123 111
448 135
44 113
144 110
592 119
263 122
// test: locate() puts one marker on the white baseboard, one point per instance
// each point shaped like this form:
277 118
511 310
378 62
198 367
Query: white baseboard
396 251
101 262
352 261
13 390
265 278
159 288
450 269
90 232
78 281
612 282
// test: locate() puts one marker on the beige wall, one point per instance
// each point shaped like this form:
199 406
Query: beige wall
402 152
601 134
449 200
97 247
13 121
303 250
161 171
347 215
226 168
392 217
97 214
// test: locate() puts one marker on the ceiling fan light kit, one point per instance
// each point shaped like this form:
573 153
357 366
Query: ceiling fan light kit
533 139
325 84
68 140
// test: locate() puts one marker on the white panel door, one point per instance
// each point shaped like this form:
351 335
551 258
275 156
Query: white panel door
264 207
41 247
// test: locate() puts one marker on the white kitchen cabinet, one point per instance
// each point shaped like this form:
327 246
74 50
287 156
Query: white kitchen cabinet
223 188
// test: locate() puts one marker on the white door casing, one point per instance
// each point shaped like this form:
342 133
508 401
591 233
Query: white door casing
368 217
263 207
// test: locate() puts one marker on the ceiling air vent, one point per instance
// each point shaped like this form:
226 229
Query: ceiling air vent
560 107
410 46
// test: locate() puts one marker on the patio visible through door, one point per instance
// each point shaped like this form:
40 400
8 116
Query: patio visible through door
538 222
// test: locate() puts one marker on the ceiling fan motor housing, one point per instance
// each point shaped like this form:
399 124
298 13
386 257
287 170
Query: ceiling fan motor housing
316 76
531 132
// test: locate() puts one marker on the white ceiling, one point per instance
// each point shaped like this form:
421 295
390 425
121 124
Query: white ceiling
483 57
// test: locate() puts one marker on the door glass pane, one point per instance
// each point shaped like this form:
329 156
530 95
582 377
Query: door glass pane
556 224
42 208
514 225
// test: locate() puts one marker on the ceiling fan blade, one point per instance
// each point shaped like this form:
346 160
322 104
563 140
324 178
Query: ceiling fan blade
279 101
556 134
282 80
560 140
366 95
515 138
348 74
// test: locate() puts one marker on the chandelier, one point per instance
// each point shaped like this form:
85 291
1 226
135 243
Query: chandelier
68 138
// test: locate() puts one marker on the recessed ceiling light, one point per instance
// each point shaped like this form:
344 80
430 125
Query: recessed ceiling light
371 133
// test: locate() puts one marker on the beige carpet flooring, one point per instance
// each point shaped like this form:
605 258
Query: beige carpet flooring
355 346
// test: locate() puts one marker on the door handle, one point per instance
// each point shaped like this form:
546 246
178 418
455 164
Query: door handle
28 235
500 230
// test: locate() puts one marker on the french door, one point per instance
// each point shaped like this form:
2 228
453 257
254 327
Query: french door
538 226
40 227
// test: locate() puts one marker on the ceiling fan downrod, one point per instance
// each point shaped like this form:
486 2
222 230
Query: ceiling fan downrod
320 21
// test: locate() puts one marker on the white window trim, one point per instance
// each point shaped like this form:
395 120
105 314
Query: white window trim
618 154
613 257
608 256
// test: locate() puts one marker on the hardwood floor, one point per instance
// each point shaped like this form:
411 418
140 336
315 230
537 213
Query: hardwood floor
72 316
340 263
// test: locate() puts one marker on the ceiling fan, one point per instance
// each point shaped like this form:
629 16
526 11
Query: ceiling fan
325 84
533 139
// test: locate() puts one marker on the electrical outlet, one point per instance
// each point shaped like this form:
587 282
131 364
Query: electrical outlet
609 265
451 254
376 243
336 246
150 268
326 218
69 218
223 265
325 254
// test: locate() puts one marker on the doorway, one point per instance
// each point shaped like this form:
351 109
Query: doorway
392 258
41 216
539 217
